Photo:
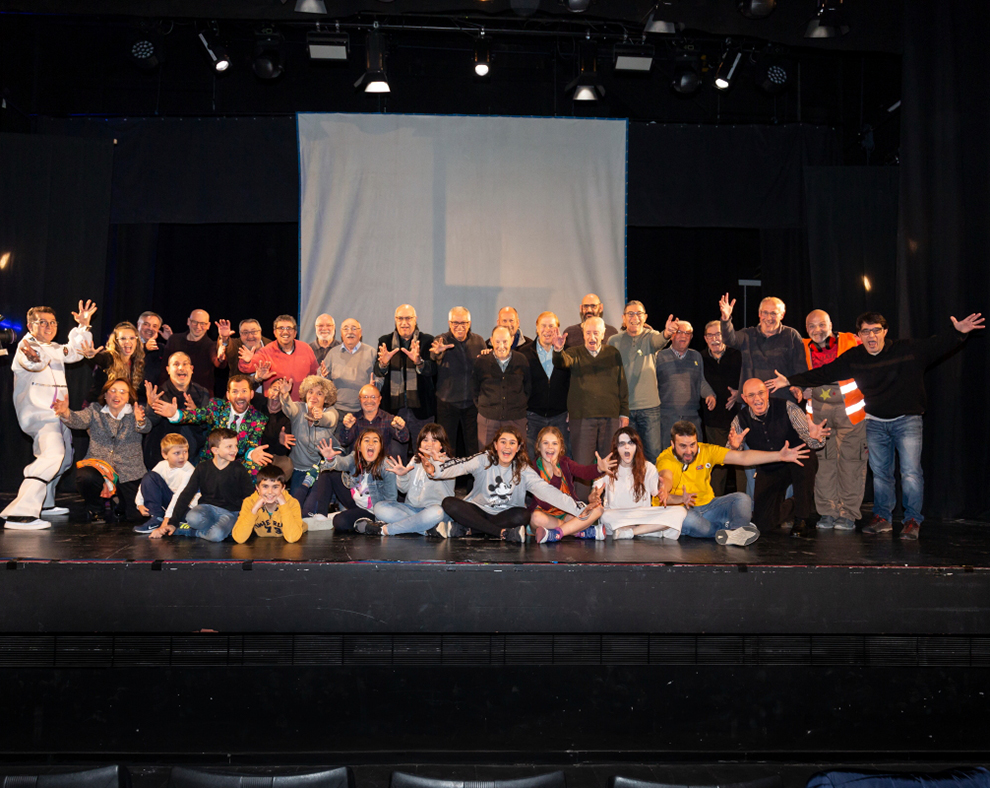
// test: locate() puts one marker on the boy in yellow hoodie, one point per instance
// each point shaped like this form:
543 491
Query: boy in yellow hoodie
269 510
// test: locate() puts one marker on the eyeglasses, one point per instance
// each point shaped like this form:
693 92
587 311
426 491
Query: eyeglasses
764 313
250 333
45 323
635 314
684 333
285 329
199 323
404 319
459 323
867 332
717 335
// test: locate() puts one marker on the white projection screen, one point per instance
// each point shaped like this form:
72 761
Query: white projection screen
441 211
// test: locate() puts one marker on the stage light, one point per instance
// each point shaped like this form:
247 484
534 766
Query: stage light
866 283
328 46
829 22
633 57
656 25
145 51
311 7
374 80
482 56
773 74
577 6
216 53
4 260
757 9
267 61
727 69
587 86
687 74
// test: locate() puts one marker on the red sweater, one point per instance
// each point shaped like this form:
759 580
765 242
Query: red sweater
298 365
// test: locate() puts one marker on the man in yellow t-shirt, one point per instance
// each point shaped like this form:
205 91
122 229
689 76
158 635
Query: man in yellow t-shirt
686 475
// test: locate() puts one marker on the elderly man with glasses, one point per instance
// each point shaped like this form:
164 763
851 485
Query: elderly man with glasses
286 357
455 353
638 344
891 376
681 382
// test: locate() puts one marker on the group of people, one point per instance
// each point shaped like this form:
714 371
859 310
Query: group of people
584 432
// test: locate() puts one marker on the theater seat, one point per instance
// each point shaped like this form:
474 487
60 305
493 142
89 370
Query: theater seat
104 777
552 780
978 777
182 777
627 782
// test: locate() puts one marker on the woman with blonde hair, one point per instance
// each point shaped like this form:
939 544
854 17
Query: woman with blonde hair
121 359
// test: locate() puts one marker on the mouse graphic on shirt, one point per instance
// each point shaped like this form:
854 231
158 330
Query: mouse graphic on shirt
499 493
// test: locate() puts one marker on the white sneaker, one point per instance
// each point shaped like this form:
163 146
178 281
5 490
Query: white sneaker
55 511
599 533
740 537
319 522
36 524
623 533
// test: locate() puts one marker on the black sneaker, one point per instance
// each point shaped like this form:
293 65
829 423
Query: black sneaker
361 524
516 535
372 529
878 525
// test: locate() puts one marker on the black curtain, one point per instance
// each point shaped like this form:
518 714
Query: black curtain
944 247
55 198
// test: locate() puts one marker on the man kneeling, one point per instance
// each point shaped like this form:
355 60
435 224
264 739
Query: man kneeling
685 469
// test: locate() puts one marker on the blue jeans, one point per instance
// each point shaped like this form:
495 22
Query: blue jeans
727 511
647 423
211 522
904 436
405 519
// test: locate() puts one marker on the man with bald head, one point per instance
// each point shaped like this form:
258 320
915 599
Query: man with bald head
767 424
598 395
202 350
508 318
326 340
591 306
178 385
767 346
501 385
841 477
391 428
404 363
454 352
350 366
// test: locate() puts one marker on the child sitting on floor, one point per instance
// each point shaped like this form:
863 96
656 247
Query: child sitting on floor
223 484
161 485
269 511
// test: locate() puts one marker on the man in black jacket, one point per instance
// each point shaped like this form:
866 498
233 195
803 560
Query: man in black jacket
891 376
454 353
501 385
548 399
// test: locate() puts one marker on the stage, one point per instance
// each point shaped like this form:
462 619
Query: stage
837 646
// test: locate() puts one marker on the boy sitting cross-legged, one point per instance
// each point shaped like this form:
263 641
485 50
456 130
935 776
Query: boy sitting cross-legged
223 484
269 511
160 487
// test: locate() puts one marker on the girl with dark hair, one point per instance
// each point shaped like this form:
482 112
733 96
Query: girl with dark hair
626 493
557 469
360 480
502 476
422 512
110 475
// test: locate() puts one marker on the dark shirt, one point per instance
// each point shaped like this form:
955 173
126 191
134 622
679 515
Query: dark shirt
454 367
721 374
226 488
321 352
203 354
575 335
548 397
382 423
423 401
769 431
498 395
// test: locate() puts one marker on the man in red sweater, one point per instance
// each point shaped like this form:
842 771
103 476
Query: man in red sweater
286 357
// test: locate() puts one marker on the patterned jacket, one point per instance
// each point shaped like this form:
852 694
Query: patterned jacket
216 414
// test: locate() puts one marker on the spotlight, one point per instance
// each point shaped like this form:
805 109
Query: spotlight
577 6
829 22
328 46
482 55
311 7
216 53
773 74
373 80
757 9
587 86
145 51
687 74
267 62
727 69
633 57
656 25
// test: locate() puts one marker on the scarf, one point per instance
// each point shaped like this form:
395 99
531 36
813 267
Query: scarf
402 377
547 476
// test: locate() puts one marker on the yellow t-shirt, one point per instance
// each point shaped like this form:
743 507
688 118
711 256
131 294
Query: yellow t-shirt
697 477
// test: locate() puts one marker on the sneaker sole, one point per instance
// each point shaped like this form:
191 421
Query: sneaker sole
26 526
738 537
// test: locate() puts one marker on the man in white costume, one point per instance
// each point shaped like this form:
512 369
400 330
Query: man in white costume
39 380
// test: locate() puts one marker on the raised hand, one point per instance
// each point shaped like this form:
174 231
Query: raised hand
385 355
710 401
967 324
30 352
779 382
736 439
188 401
396 466
259 455
152 392
324 370
725 307
263 369
795 455
165 409
818 432
398 422
734 397
287 439
245 354
151 344
326 449
413 352
670 327
87 349
165 331
61 407
139 414
427 462
438 347
85 313
606 464
223 329
559 340
349 420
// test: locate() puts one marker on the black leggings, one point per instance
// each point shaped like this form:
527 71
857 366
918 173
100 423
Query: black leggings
477 519
349 512
89 484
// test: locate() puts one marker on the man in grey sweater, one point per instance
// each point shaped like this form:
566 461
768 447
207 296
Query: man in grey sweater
681 382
